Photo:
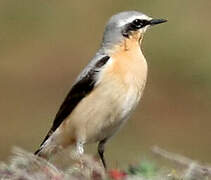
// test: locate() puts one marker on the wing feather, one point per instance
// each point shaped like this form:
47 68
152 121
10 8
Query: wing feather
83 86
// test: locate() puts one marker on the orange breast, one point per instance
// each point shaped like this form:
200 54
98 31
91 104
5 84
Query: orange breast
129 64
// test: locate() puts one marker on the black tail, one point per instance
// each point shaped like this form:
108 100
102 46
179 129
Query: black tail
37 152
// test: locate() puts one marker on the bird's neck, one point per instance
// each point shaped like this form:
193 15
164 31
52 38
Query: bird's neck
129 45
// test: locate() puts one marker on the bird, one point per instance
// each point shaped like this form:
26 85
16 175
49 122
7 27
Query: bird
107 90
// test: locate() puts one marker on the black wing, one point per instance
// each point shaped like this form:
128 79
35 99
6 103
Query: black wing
81 89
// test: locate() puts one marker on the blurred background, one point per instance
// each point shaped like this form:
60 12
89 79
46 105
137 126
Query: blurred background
45 44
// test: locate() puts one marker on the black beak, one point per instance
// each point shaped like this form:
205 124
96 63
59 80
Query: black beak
156 21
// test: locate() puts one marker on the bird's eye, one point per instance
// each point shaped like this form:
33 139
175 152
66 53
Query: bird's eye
138 23
134 26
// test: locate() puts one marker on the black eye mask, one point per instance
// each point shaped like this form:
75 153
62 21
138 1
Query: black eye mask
134 26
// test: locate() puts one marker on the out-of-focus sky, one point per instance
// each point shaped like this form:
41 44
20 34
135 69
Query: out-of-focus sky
45 44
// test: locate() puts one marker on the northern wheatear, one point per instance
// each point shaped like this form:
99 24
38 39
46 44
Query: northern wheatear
106 91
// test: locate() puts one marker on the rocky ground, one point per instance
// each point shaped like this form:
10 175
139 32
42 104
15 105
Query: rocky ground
25 166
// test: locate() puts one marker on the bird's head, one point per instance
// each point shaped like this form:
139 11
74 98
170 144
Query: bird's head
128 25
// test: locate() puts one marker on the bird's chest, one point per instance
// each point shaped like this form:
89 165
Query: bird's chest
127 76
133 82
